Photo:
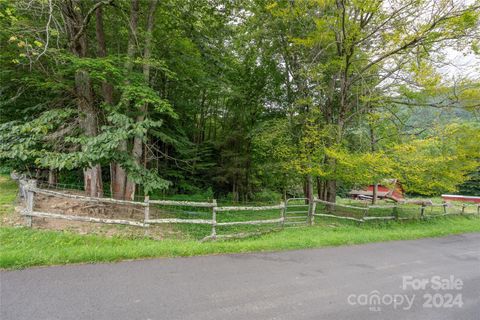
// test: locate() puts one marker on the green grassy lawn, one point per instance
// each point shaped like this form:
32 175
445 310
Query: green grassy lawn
8 193
24 247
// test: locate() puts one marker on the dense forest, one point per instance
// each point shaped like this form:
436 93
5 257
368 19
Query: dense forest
251 100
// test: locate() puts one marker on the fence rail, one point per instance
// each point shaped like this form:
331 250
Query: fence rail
183 203
259 208
81 218
83 198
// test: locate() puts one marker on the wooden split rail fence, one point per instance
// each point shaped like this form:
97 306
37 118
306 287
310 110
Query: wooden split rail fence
363 211
29 190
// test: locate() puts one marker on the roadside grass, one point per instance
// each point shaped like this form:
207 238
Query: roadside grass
22 247
8 193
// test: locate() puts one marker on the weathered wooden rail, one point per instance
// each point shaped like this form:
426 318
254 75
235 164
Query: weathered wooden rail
30 189
81 218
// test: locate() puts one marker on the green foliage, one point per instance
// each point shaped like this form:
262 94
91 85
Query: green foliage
472 185
139 95
243 98
439 163
28 142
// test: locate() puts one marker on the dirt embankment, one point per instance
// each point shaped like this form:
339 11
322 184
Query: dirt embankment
52 204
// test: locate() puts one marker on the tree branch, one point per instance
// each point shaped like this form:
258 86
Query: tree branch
86 19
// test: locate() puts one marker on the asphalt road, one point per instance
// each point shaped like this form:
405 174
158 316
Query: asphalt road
329 283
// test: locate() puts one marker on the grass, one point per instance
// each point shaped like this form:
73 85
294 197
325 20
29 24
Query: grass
8 193
23 247
197 231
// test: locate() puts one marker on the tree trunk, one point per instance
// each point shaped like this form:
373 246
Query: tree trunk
128 187
308 189
131 47
52 177
137 148
331 186
373 143
322 189
107 88
75 26
325 191
234 191
375 193
89 124
118 175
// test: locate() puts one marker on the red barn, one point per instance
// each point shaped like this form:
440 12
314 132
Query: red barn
389 189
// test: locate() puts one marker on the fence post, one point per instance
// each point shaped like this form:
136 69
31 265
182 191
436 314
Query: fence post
395 211
312 208
214 219
30 201
463 208
22 184
146 211
422 211
478 209
282 212
309 212
444 208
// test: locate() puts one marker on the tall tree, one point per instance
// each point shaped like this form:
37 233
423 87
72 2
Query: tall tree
76 23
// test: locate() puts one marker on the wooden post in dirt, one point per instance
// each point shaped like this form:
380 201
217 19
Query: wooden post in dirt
282 213
146 211
30 201
214 219
311 211
23 193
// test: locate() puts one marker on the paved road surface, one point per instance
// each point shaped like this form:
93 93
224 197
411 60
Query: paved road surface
329 283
